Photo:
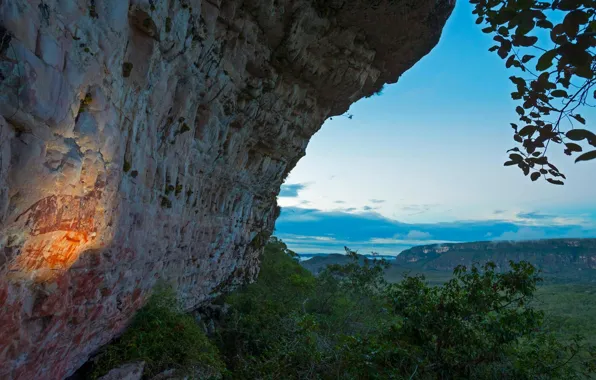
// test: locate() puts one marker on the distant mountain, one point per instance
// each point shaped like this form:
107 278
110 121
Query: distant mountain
559 259
552 256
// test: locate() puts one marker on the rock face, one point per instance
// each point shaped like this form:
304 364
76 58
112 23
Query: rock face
131 371
144 140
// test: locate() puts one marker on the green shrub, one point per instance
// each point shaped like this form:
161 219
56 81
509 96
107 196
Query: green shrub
164 337
349 323
290 324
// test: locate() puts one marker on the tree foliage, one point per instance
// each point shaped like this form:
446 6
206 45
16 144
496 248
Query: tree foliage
349 323
292 325
551 44
479 325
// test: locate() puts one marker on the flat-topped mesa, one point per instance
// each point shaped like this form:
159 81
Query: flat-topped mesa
144 140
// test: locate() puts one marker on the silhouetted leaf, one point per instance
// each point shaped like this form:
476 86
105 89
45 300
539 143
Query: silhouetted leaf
584 71
579 118
559 94
573 20
520 82
573 147
546 60
525 25
587 156
555 181
503 52
579 134
528 130
576 54
510 61
566 5
545 24
527 58
526 170
541 160
571 25
525 40
535 176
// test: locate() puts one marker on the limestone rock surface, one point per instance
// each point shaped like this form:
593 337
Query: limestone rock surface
144 140
130 371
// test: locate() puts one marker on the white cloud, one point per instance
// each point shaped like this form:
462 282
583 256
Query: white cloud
317 238
524 233
298 218
291 190
408 241
539 219
418 235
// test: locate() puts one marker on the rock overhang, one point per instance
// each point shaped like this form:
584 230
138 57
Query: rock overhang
144 140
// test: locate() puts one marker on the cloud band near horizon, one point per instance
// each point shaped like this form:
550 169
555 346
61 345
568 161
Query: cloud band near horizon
316 231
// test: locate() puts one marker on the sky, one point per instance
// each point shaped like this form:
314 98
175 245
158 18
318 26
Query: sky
422 163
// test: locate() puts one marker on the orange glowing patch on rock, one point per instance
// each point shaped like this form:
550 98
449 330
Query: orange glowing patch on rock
56 251
61 227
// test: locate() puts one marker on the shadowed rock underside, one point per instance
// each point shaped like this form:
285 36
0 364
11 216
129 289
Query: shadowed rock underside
145 140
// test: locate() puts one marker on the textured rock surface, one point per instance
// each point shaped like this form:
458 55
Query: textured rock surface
146 139
131 371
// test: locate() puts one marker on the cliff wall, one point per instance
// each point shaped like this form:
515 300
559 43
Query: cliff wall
145 139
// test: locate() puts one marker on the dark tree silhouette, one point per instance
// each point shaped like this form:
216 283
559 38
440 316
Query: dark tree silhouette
551 43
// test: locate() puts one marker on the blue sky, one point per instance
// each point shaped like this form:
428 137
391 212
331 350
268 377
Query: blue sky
423 163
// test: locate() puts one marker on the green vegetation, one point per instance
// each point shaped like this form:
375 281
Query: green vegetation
558 259
164 338
396 274
551 44
292 325
570 308
349 322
